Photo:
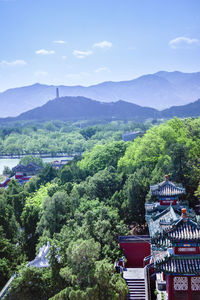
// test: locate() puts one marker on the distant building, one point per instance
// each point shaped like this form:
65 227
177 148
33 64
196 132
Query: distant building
22 174
29 170
129 136
59 164
57 93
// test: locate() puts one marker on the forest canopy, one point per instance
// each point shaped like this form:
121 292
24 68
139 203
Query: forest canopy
82 208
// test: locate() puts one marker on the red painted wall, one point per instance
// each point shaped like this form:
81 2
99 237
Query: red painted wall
18 176
3 184
135 253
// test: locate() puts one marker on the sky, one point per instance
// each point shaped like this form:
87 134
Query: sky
85 42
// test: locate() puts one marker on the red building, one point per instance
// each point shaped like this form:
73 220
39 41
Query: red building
181 267
139 246
29 170
172 253
175 242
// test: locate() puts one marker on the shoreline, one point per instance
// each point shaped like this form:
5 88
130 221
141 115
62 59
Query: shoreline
46 155
14 160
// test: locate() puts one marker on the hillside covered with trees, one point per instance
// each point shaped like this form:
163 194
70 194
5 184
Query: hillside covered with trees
81 108
83 208
61 137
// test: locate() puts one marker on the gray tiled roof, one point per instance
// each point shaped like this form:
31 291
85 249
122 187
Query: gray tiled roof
184 229
180 231
166 188
166 216
188 265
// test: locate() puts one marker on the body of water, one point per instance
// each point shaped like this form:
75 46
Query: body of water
12 162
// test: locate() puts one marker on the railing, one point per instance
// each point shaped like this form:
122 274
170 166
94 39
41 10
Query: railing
147 281
146 260
6 287
42 155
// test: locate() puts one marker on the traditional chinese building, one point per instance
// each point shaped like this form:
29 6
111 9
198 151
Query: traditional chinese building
181 266
173 247
167 192
30 169
175 242
173 260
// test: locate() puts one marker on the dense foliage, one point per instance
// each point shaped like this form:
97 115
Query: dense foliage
82 208
58 137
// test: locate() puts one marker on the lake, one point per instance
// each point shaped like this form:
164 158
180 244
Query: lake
12 162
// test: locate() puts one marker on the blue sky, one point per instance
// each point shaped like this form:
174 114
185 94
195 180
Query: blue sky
84 42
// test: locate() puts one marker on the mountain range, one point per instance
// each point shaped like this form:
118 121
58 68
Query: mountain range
81 108
160 90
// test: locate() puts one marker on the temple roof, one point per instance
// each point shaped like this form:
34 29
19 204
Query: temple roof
167 217
28 168
184 230
186 265
166 188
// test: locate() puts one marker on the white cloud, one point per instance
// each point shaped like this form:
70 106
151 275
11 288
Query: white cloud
82 54
102 69
104 44
181 42
40 73
60 42
14 63
45 52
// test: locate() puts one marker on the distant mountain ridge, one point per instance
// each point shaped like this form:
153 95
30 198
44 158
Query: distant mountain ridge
182 111
160 90
81 108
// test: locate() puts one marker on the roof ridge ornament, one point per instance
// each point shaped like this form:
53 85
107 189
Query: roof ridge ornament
166 177
184 215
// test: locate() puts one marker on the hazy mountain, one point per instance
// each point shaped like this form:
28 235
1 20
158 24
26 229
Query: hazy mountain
183 111
80 108
160 90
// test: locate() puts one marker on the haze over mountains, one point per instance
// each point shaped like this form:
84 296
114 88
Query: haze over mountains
81 108
160 90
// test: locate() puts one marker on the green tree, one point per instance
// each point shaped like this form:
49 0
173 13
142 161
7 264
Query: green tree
47 174
54 213
102 156
88 132
31 159
109 284
82 255
30 218
7 171
103 184
135 191
31 283
8 220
